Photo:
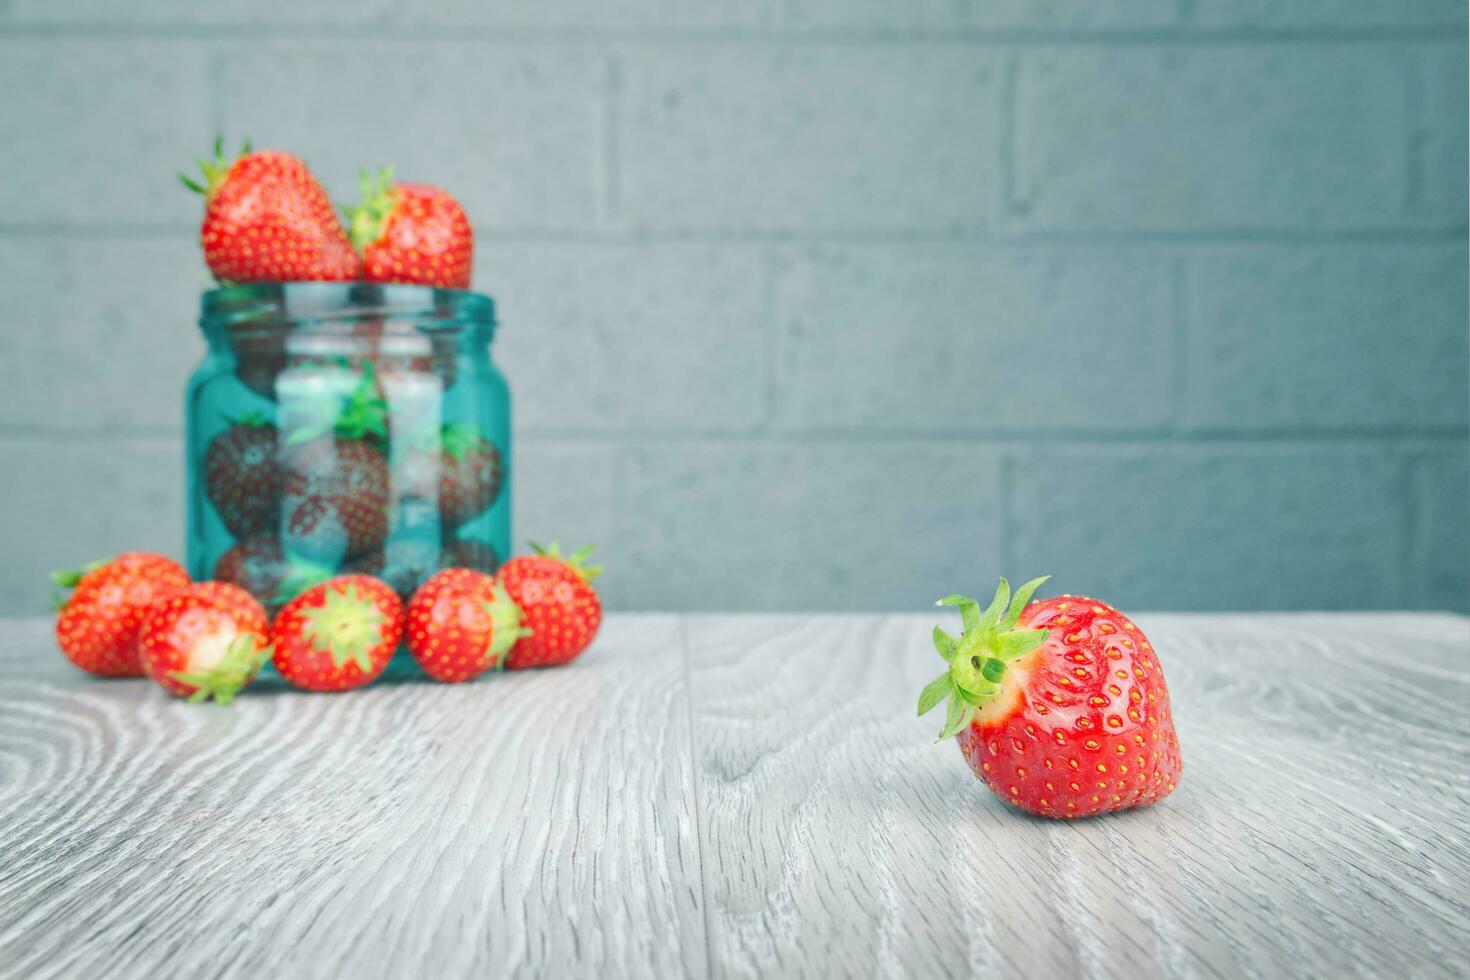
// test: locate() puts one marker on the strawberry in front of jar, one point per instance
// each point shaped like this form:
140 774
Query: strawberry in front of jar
208 640
460 624
339 634
98 624
1060 706
242 476
411 233
267 219
558 605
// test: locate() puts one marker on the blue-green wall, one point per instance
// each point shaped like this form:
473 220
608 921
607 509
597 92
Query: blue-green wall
815 303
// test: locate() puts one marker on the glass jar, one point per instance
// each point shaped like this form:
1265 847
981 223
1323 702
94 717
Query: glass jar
346 427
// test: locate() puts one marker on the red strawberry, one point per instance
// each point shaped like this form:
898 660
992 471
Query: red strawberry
338 635
207 640
411 233
461 623
267 219
98 625
1060 706
242 477
558 605
261 567
470 474
470 553
411 564
336 500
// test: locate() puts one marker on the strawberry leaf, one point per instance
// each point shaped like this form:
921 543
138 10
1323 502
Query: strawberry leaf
944 643
1018 643
960 714
1018 602
997 606
969 609
934 692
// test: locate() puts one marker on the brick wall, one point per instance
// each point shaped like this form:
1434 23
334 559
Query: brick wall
814 303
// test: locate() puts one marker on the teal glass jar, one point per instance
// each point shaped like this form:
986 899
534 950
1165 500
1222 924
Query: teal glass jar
346 427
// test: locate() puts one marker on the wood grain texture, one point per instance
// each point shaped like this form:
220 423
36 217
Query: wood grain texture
1320 828
738 796
527 824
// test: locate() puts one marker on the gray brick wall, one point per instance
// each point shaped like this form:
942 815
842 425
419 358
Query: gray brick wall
814 303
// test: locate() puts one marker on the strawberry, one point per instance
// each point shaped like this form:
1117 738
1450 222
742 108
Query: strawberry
336 500
412 564
242 476
98 625
1060 706
339 634
461 623
257 565
558 605
208 640
267 219
335 491
470 474
470 553
411 233
262 567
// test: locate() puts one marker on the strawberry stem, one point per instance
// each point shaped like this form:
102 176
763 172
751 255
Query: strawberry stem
367 221
247 653
215 171
978 658
577 560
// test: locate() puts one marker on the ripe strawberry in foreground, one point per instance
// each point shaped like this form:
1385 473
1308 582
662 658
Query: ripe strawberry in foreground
558 605
461 623
1060 706
98 625
338 635
411 233
267 219
207 640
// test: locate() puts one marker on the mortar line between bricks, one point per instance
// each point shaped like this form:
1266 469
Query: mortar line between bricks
632 439
333 33
1000 238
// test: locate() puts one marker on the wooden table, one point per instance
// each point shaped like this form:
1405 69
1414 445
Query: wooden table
745 796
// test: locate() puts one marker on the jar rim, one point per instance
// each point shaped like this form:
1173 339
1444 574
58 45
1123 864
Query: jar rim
283 303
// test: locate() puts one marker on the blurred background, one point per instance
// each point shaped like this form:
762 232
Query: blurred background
813 304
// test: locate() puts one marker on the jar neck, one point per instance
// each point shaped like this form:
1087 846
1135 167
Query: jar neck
341 318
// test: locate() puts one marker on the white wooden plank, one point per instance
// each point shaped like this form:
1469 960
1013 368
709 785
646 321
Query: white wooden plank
536 823
1320 828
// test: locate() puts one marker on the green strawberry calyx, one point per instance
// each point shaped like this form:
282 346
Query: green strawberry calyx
367 221
346 625
244 657
505 616
250 420
360 414
67 579
215 171
459 439
979 656
303 574
577 560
